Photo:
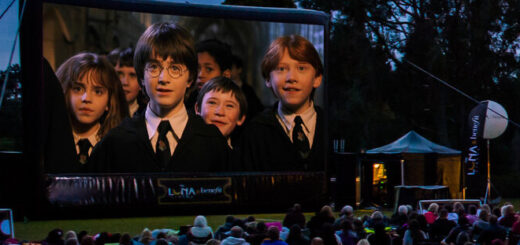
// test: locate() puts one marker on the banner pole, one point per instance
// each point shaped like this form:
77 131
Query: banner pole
488 187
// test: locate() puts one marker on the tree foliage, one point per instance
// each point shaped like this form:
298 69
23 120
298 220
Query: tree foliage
472 44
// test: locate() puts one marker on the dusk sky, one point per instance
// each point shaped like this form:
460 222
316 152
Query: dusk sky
8 25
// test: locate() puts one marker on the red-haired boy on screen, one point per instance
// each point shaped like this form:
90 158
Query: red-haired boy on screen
288 137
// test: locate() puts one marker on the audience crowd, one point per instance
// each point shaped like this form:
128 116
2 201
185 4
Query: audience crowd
439 224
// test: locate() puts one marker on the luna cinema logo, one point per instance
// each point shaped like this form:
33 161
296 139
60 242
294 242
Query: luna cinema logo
474 129
194 190
473 151
190 192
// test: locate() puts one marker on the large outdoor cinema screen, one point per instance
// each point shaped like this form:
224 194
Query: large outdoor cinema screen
103 26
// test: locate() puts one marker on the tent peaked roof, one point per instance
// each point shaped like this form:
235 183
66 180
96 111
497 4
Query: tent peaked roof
413 142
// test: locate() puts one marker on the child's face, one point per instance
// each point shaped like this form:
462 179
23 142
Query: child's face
129 81
208 68
166 89
292 82
221 110
88 100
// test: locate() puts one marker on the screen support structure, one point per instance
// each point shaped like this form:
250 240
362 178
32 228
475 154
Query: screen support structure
489 185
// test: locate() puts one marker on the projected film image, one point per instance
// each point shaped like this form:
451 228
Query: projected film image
111 67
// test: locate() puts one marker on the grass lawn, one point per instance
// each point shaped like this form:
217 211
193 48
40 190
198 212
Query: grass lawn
37 230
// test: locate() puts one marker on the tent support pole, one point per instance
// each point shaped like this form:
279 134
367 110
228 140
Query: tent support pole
402 171
488 187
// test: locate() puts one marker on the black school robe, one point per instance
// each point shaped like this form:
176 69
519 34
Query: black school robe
191 101
127 149
140 109
60 154
254 105
265 146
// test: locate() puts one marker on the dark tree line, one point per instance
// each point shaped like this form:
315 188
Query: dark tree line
472 44
375 96
11 110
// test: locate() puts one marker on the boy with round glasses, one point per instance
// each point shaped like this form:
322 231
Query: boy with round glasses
165 138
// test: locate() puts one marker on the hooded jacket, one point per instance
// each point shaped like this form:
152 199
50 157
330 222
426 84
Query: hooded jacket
234 241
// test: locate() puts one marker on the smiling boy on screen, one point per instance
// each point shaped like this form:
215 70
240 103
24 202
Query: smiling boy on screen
222 103
287 137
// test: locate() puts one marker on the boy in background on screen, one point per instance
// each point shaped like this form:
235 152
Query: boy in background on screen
214 60
254 105
123 62
95 101
165 138
222 103
289 136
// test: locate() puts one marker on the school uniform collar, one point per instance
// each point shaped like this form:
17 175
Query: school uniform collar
133 108
229 143
93 138
287 118
178 121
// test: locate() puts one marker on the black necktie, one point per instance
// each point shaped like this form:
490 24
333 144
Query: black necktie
84 146
299 139
162 148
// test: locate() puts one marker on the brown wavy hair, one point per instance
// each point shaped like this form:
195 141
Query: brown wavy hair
101 71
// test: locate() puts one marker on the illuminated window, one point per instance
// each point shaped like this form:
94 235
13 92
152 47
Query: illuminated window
378 173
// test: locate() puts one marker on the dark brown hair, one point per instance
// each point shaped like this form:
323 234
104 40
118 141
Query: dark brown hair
273 233
299 49
224 85
220 51
102 72
166 40
126 58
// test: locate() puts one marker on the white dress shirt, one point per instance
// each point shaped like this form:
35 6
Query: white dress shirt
93 139
132 108
178 122
309 118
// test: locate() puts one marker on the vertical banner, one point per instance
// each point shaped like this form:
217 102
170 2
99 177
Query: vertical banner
474 154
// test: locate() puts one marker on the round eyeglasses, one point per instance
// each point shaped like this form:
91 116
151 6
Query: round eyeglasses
155 69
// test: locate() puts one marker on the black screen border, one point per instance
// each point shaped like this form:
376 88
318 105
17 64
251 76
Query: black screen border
27 168
284 15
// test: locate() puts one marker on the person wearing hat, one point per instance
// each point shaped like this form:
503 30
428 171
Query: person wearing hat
347 213
200 233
